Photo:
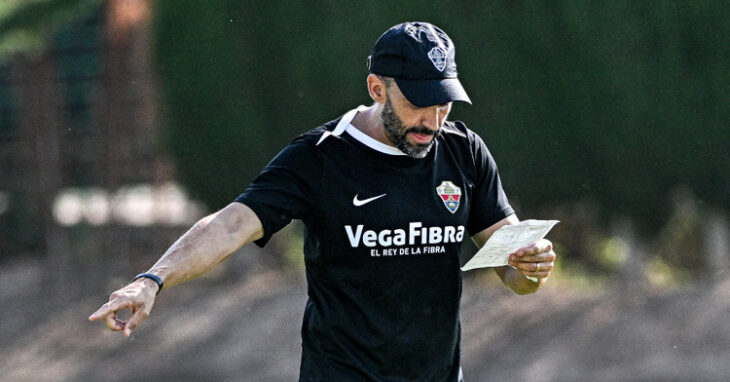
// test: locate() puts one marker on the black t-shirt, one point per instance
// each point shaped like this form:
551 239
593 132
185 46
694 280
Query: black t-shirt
383 235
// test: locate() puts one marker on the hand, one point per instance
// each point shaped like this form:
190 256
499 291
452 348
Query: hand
138 297
536 260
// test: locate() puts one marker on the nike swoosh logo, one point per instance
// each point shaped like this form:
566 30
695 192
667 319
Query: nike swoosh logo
357 202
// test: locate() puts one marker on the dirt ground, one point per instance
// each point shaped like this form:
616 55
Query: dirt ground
242 324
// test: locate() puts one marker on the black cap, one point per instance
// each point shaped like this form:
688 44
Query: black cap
420 57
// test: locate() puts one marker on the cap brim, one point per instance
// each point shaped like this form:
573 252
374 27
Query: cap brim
424 93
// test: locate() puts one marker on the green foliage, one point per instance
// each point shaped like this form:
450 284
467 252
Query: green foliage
613 102
26 25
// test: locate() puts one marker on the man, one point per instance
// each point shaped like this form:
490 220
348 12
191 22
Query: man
387 193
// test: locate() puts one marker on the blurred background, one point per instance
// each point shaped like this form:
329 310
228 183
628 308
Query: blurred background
122 122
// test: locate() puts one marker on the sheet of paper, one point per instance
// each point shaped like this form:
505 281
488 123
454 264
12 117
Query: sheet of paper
508 239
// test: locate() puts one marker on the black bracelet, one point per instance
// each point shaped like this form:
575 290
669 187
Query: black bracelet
152 277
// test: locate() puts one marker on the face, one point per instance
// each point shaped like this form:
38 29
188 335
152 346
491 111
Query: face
412 129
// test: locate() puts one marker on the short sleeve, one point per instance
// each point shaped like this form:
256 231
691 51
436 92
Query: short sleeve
489 204
285 188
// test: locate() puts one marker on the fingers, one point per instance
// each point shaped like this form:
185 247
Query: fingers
113 323
540 251
536 269
138 316
112 307
102 312
536 260
138 300
542 246
108 312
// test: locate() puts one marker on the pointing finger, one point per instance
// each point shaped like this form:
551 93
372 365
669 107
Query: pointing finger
102 312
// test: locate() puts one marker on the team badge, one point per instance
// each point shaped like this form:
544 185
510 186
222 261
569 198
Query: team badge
450 194
437 55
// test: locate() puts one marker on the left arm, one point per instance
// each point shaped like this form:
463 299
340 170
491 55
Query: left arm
536 260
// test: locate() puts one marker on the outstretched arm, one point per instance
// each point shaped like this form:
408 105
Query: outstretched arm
535 261
210 241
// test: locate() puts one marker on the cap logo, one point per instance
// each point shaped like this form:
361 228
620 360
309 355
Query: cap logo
449 194
437 56
432 34
413 31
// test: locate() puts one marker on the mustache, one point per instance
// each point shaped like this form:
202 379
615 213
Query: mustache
421 130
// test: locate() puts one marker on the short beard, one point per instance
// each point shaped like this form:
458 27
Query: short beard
397 133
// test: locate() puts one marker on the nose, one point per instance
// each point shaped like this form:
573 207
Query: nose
432 117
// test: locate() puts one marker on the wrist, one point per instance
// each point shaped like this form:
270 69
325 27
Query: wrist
151 278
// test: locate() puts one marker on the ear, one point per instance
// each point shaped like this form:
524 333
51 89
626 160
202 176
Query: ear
377 89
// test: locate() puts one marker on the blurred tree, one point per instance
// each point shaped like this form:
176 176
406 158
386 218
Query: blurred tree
26 25
617 102
612 103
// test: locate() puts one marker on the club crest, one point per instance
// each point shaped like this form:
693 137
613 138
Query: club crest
450 194
437 56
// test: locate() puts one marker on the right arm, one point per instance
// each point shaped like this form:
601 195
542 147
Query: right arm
210 241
